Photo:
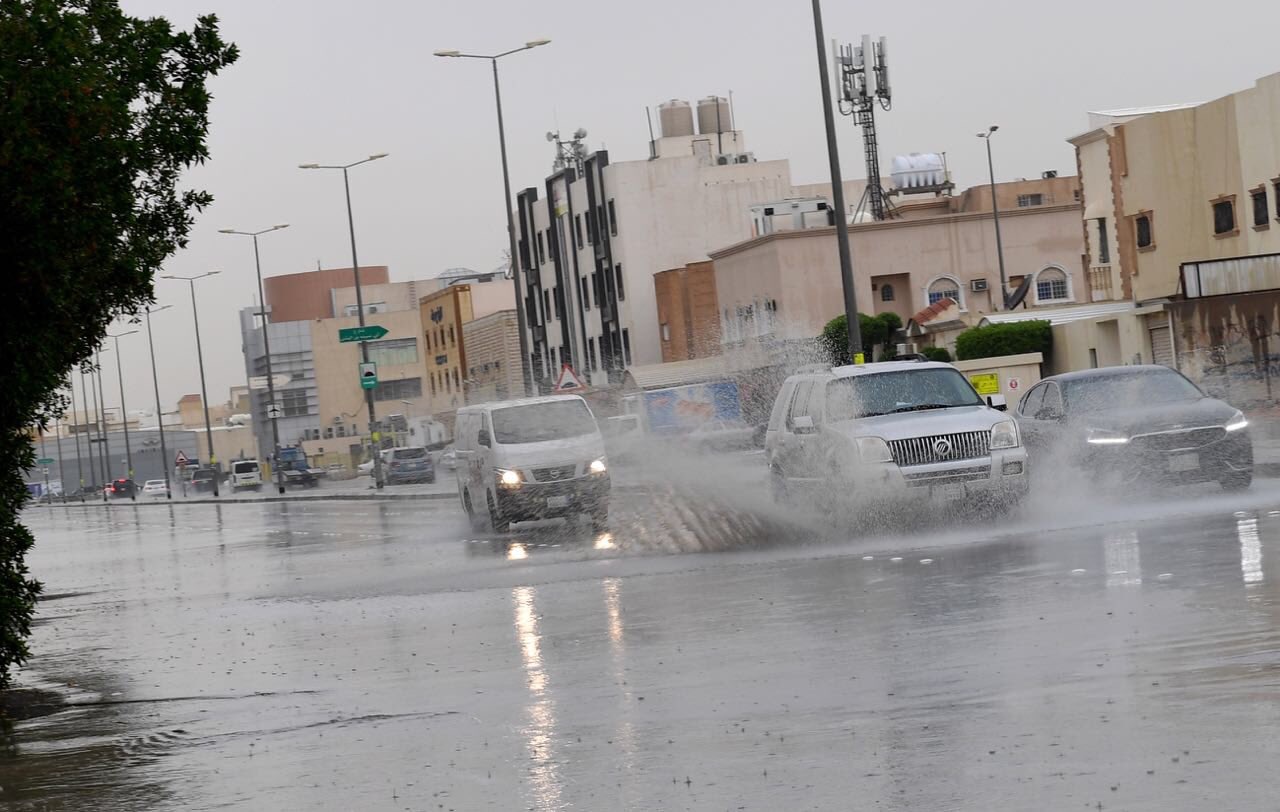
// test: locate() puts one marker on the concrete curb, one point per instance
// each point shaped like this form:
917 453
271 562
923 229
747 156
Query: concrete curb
340 497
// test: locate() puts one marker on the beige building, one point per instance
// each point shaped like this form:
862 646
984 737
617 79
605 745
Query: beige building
441 317
688 312
492 345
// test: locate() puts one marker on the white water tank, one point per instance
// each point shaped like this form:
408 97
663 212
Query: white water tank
919 170
675 118
708 110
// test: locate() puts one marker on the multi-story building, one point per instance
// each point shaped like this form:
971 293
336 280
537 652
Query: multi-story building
688 312
493 357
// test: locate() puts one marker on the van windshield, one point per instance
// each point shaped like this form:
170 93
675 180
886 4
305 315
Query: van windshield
900 391
539 422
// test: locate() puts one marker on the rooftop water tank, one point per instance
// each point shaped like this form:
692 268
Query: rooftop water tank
713 116
919 170
675 118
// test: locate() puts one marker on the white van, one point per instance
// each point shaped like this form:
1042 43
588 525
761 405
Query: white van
246 474
536 458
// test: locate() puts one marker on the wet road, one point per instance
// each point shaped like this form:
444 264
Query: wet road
331 656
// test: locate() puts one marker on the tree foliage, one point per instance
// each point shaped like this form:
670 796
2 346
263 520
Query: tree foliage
101 114
937 354
875 331
1013 338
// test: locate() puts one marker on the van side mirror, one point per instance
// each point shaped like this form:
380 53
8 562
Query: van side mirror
802 424
998 403
483 439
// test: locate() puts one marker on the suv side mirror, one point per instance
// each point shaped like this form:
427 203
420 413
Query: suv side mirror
802 424
998 403
483 439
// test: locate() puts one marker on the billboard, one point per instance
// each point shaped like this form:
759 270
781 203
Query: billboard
684 408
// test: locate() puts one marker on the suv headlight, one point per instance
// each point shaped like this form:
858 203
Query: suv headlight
1004 435
874 449
598 466
1236 422
1106 437
507 476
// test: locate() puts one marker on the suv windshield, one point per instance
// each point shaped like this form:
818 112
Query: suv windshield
904 390
1119 391
539 422
408 453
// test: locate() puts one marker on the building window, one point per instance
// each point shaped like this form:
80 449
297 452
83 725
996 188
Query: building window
369 309
328 432
1030 200
944 287
1104 244
294 402
1052 285
626 346
886 293
577 226
591 353
586 294
622 292
1275 193
559 302
394 351
1258 197
457 383
453 341
342 430
546 305
402 389
1142 230
591 227
613 219
432 379
542 256
666 331
1224 216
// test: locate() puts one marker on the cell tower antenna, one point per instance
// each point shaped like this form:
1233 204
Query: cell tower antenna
862 74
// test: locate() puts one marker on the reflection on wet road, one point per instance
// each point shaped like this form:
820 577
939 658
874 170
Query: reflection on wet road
329 656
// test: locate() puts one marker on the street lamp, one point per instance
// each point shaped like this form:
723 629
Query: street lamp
124 412
155 382
374 435
506 199
204 393
995 215
100 398
272 413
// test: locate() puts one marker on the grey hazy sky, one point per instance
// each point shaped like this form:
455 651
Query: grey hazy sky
333 82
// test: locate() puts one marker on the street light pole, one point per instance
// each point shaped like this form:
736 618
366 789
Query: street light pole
837 194
124 412
155 382
525 362
266 346
995 216
374 435
204 392
71 384
86 385
107 463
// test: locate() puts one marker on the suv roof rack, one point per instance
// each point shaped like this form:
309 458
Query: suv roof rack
809 369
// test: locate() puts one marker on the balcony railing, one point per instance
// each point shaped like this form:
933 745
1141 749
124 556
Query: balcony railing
1100 285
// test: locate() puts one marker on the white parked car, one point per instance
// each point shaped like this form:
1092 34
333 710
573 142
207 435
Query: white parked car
449 458
155 487
365 468
893 431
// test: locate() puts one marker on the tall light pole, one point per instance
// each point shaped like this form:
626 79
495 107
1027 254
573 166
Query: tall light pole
155 382
71 384
86 386
837 194
525 364
266 348
124 412
204 392
101 399
374 435
995 216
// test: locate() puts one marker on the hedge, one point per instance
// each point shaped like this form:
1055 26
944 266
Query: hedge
936 354
1012 338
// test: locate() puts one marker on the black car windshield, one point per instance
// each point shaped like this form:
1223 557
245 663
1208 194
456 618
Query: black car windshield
539 422
1126 390
898 391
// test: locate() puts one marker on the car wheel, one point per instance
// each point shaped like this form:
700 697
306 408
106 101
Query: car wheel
1236 482
499 522
473 518
778 487
600 517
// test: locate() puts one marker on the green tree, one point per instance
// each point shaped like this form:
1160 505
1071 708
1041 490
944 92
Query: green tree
875 331
1011 338
101 114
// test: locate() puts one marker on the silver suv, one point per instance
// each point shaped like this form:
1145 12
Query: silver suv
900 429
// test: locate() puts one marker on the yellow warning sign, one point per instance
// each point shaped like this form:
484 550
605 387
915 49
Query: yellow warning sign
987 383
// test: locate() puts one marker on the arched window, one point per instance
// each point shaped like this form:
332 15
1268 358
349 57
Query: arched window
1053 285
944 287
886 293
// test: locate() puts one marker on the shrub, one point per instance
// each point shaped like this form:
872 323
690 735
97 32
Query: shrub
1013 338
875 331
937 354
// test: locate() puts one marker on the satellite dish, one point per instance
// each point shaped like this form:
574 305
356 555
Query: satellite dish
1020 294
551 136
580 133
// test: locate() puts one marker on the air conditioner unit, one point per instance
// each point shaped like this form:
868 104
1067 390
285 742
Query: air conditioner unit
337 420
724 160
978 285
744 158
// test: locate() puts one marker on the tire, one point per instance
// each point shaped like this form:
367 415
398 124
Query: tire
1236 482
778 487
600 517
476 523
497 520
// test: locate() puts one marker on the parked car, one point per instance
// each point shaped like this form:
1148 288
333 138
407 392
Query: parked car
246 474
723 435
123 488
204 479
407 464
892 431
535 458
365 468
155 487
449 458
1136 422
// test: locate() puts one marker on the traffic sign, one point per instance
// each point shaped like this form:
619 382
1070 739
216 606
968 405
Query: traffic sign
987 383
369 332
569 381
260 381
274 411
1014 383
180 459
369 373
45 461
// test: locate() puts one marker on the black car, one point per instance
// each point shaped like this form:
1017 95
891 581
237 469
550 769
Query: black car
204 479
1130 423
123 488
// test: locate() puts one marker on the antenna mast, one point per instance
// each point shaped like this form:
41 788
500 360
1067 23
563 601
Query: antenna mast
855 67
570 153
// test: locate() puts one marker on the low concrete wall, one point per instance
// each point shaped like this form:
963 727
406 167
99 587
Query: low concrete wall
1228 345
1014 374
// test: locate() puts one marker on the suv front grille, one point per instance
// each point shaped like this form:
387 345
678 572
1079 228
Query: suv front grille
556 474
1181 440
968 445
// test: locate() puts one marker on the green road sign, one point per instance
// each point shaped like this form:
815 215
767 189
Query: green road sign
369 373
45 461
369 332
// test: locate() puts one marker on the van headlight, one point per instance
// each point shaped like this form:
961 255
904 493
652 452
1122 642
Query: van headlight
598 466
508 477
1106 437
1004 435
1236 422
874 449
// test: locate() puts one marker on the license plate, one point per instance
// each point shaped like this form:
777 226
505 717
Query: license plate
557 501
1184 462
951 492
